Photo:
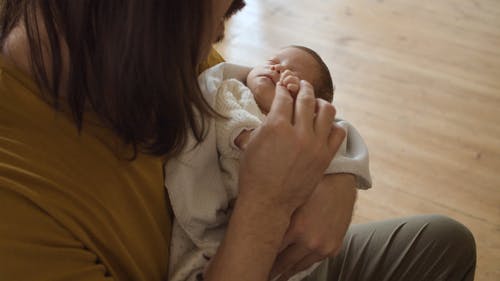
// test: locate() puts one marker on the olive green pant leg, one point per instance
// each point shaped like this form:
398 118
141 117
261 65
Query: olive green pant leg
429 247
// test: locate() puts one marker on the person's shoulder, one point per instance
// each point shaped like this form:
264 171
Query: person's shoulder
213 59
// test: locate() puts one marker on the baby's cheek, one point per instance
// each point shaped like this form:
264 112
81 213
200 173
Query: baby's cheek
259 85
263 90
264 98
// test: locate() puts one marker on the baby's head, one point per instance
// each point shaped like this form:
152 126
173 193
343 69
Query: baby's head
304 62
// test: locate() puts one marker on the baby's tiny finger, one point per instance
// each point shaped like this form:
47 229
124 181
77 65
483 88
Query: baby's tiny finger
286 73
291 80
293 88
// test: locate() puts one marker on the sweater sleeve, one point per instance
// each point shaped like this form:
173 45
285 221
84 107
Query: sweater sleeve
235 102
352 157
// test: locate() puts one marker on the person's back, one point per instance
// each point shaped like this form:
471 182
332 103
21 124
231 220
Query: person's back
69 198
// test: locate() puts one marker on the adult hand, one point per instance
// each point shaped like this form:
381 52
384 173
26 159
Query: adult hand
279 169
318 227
286 156
242 139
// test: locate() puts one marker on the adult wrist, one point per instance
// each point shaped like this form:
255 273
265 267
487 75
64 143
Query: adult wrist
251 244
260 204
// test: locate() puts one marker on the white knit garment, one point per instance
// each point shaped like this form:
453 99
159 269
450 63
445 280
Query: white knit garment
202 181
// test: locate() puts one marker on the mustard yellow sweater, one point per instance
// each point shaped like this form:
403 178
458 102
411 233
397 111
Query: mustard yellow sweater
70 208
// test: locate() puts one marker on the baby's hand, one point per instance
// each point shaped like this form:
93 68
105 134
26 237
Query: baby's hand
291 81
242 139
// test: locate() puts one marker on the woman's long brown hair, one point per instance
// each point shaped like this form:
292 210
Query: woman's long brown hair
134 62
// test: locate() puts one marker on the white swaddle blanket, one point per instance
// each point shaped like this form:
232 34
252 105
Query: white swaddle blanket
200 199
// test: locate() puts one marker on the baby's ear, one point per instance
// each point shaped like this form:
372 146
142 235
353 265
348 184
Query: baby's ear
326 95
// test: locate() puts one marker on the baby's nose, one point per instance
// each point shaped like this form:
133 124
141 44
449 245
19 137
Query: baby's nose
277 67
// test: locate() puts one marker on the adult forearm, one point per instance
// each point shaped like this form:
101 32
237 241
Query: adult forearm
342 191
345 187
252 241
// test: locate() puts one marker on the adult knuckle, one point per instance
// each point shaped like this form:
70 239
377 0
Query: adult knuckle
271 126
330 106
325 107
323 249
298 233
299 227
342 132
277 125
267 125
314 244
329 109
307 99
307 85
321 102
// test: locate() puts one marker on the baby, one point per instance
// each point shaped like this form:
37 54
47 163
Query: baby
202 212
246 106
288 66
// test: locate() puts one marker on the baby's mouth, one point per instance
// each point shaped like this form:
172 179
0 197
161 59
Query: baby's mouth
268 77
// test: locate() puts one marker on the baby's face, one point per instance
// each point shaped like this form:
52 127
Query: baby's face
262 79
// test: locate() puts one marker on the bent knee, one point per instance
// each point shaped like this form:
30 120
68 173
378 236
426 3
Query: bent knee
452 233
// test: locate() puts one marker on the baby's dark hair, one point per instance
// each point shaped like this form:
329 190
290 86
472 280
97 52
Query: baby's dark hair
323 87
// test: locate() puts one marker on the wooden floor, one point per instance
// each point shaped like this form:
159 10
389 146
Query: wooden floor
421 82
